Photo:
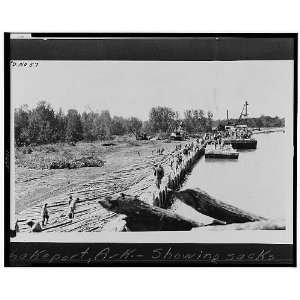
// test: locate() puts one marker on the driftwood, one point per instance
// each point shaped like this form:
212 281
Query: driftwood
207 205
141 216
186 211
118 224
259 225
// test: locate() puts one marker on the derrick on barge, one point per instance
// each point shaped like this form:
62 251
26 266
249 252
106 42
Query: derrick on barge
239 136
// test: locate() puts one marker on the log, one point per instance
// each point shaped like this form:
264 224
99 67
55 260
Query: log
185 211
141 216
259 225
209 206
116 225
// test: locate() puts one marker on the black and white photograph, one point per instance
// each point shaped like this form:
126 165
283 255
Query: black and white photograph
152 150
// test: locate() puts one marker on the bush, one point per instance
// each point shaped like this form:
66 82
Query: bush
133 143
50 149
76 163
59 157
27 150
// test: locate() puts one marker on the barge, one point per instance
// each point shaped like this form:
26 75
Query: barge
223 152
239 135
241 143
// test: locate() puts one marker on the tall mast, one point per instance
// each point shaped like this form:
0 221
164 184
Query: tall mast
246 106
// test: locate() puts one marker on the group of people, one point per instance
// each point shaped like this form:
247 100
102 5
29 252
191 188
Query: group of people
178 156
159 151
218 137
243 133
235 133
185 153
37 226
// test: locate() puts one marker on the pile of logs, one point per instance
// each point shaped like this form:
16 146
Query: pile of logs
141 216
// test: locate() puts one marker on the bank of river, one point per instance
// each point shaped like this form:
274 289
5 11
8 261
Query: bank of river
128 169
260 181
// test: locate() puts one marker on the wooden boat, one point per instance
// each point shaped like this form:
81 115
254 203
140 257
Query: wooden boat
221 151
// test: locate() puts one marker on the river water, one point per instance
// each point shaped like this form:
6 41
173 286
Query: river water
259 181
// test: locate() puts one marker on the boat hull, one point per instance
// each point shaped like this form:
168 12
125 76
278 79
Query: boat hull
177 138
242 143
222 155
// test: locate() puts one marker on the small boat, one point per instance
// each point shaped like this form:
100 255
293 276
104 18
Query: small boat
221 151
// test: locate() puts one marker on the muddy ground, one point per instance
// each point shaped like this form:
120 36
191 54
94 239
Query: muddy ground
127 168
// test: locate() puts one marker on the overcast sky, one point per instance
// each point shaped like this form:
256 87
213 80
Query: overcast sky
131 88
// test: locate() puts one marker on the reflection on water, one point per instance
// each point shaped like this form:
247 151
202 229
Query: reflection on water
247 150
258 181
224 160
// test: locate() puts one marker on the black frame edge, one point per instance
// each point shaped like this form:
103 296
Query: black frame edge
6 147
7 111
295 150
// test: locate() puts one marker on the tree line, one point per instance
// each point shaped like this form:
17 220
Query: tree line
258 122
43 125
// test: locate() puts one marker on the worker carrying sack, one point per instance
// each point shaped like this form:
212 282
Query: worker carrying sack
159 172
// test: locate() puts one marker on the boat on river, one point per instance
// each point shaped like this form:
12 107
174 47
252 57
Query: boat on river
241 143
239 135
221 151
